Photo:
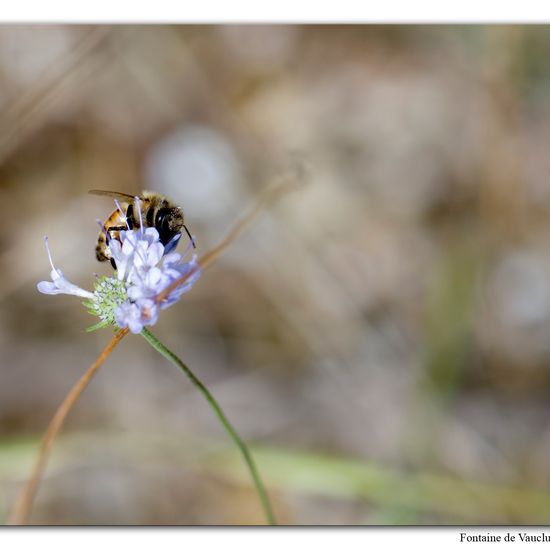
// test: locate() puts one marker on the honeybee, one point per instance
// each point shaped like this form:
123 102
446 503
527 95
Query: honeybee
156 211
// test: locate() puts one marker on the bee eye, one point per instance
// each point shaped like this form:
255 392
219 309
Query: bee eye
162 224
161 219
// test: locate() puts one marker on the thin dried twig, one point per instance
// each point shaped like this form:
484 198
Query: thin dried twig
266 199
24 504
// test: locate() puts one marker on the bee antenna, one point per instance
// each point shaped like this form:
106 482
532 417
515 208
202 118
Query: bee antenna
190 236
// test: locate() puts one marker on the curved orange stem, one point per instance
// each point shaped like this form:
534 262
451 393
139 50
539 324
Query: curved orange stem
25 501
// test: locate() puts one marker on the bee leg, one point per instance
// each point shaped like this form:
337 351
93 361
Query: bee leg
116 228
130 216
113 263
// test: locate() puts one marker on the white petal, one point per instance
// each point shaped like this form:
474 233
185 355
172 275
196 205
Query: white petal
153 277
172 243
61 285
152 234
47 287
129 245
116 249
154 255
172 258
136 292
125 313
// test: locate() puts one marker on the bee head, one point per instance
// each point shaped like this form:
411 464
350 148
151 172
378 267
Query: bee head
168 222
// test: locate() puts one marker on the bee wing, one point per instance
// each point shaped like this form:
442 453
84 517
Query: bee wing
114 194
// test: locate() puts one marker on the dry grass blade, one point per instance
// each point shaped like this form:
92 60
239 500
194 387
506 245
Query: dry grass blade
29 110
23 506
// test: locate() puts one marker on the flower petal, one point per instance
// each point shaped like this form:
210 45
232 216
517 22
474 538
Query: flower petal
61 285
47 287
136 315
172 243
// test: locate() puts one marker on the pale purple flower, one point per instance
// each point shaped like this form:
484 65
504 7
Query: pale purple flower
148 272
135 315
59 283
149 282
175 269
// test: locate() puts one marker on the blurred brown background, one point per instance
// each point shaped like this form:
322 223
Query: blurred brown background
381 336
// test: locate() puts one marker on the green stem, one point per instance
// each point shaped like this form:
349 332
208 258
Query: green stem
163 350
